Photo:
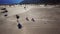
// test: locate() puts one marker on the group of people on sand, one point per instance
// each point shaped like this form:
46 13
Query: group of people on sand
5 11
19 25
17 17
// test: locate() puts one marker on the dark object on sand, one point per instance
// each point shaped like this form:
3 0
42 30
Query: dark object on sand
3 9
5 15
27 19
6 11
33 20
17 17
25 7
19 26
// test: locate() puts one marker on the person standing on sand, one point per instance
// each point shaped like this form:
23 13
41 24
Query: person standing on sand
19 25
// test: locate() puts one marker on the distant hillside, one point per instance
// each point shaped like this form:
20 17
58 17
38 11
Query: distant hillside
40 2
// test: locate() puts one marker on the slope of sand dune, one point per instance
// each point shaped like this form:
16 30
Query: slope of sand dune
47 20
